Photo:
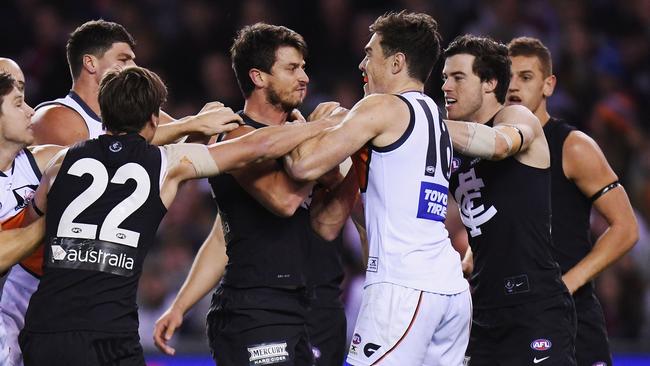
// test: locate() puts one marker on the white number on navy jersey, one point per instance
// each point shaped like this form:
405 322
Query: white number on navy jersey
110 230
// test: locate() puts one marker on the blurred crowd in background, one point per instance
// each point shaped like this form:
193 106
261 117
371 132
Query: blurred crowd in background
601 57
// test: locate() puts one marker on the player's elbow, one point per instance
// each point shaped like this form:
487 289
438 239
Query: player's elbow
630 230
501 149
300 170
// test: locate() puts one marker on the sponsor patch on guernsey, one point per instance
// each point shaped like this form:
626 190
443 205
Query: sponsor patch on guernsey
93 255
268 354
433 201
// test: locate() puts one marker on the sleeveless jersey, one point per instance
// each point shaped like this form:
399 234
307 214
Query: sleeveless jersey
102 215
264 250
571 209
74 102
506 209
404 187
17 187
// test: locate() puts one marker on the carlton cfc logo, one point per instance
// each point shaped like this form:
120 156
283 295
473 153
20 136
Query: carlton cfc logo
541 344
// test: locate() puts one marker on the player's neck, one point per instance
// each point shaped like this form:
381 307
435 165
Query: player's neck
260 110
88 91
542 114
486 112
407 86
8 153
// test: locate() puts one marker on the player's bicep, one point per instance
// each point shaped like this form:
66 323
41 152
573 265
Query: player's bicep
585 164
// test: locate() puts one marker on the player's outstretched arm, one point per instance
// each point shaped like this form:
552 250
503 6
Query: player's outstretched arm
515 129
206 272
16 244
584 163
269 184
213 119
369 118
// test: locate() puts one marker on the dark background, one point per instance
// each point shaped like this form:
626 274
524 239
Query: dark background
601 55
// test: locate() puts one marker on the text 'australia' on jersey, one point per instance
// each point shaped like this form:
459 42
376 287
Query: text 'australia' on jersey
103 212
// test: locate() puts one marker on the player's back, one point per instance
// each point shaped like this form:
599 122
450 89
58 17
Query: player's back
405 189
103 211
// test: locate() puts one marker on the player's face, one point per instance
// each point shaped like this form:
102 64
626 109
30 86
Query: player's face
120 55
462 88
288 81
528 86
16 119
374 66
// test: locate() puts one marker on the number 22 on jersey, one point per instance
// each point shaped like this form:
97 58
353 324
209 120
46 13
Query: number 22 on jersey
110 230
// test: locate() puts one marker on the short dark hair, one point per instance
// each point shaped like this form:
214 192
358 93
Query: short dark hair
7 84
413 34
94 37
491 60
255 46
532 47
128 98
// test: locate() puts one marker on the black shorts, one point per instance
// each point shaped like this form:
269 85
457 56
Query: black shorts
327 329
81 348
260 326
592 345
539 333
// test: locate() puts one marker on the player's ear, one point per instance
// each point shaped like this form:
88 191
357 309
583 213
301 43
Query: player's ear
258 77
549 86
489 86
399 62
89 62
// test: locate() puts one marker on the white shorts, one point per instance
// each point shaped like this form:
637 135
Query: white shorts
19 287
402 326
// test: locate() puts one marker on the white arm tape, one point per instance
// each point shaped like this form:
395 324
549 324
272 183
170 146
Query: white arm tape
481 141
197 154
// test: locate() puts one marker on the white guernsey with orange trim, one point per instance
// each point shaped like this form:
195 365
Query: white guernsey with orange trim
416 307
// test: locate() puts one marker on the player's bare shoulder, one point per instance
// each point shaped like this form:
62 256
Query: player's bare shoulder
43 154
385 115
58 124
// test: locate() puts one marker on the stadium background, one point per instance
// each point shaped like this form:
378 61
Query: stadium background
601 55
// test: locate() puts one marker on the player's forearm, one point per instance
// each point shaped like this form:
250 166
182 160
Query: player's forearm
276 141
171 132
16 244
477 140
330 211
617 240
205 274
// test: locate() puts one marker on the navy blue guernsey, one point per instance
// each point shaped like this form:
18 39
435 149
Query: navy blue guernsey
506 209
103 211
571 208
264 250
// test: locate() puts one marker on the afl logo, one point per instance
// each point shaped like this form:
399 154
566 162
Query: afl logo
455 164
76 230
120 235
541 344
115 146
356 339
431 169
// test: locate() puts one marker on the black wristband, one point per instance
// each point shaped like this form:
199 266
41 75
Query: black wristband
38 212
604 190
